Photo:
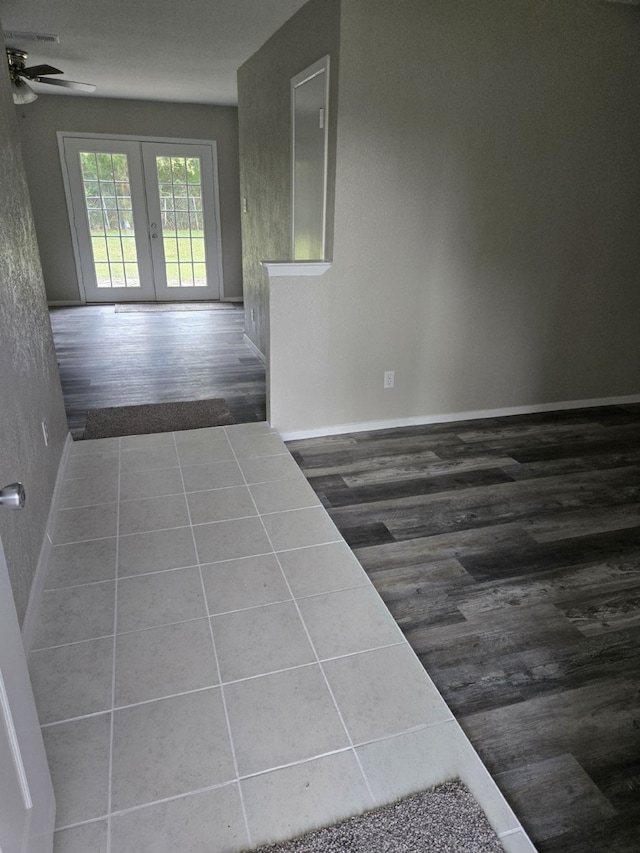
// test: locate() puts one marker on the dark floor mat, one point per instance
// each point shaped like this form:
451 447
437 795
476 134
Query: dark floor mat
156 417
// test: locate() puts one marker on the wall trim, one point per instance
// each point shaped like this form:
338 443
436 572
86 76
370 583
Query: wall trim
37 585
289 269
69 302
422 420
65 302
254 349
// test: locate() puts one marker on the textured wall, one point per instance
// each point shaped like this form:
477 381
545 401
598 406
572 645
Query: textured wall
486 226
38 124
29 383
264 107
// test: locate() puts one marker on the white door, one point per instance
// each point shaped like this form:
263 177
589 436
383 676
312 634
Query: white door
27 804
144 218
309 120
181 203
109 215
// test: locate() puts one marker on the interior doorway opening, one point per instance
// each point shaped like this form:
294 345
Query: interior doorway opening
108 358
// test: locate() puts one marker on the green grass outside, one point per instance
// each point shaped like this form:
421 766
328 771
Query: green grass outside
180 247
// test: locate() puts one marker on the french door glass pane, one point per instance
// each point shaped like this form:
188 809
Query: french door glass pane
180 189
107 194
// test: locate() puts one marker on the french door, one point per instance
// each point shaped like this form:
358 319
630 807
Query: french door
145 218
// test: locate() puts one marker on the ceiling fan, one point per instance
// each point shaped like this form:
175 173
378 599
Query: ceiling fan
21 76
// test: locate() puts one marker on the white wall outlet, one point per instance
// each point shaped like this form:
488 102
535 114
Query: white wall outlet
389 378
45 433
244 205
253 315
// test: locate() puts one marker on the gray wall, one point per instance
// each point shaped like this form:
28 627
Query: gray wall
487 219
265 146
38 125
29 383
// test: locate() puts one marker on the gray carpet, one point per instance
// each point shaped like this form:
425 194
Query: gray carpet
446 819
154 307
156 417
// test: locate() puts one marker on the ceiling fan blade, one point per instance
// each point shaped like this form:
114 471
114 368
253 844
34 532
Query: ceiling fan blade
67 84
39 70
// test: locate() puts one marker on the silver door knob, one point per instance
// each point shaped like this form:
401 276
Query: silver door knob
13 496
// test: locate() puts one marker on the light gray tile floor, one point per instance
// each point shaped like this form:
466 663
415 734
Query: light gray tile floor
212 667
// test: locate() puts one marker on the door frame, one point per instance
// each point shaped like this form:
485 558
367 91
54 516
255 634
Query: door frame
20 725
119 137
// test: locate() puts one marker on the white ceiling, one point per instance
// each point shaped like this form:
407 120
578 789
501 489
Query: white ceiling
149 49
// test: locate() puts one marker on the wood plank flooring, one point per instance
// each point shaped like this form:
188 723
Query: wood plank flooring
108 359
508 550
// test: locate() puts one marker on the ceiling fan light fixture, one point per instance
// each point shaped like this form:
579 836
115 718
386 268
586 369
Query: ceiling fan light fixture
22 92
20 74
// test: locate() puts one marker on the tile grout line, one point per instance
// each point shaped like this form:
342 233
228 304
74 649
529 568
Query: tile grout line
220 683
215 654
185 526
509 832
111 580
197 524
311 643
113 671
366 584
366 581
72 643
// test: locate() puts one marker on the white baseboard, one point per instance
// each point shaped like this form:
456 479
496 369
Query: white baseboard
254 349
70 302
422 420
37 585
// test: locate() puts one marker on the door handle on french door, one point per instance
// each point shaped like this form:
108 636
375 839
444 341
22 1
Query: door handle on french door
13 496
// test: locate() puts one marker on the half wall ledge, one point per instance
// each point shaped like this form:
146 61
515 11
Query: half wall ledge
289 269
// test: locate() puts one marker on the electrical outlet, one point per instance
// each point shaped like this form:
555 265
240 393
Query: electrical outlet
45 433
389 378
253 315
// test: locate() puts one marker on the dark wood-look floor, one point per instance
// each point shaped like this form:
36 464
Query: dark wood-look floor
108 359
508 550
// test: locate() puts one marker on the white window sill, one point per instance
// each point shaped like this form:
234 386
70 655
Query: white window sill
286 269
